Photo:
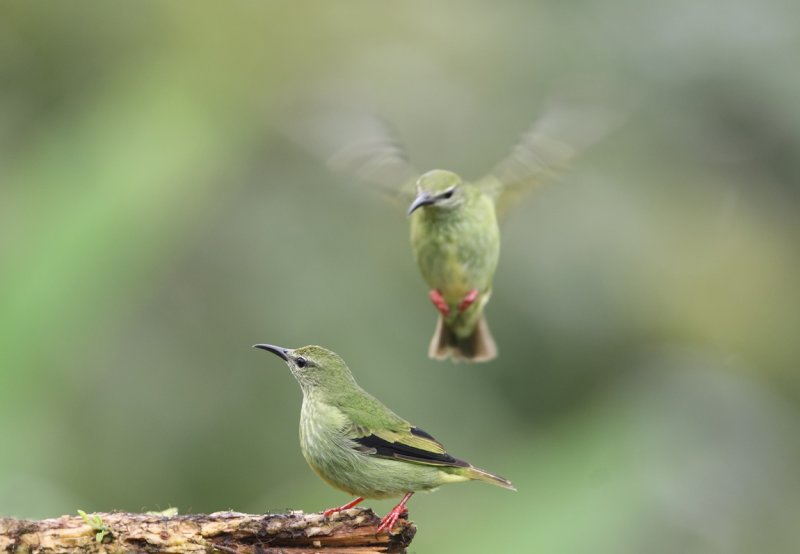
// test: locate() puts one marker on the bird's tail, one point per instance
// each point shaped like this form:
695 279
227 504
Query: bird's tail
481 475
478 347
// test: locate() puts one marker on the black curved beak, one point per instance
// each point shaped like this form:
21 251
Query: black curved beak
277 350
423 199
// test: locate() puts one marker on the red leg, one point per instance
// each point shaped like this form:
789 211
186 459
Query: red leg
347 506
438 301
470 297
391 518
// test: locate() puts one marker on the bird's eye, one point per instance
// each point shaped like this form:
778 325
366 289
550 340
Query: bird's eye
300 362
448 194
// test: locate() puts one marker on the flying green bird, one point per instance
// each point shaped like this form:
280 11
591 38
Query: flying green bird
454 223
456 242
356 444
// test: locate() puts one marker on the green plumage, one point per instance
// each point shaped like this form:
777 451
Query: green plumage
356 444
454 232
456 242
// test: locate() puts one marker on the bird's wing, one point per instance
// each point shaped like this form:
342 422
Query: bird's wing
428 451
545 149
359 144
378 431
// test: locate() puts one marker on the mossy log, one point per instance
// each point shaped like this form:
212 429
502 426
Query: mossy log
351 531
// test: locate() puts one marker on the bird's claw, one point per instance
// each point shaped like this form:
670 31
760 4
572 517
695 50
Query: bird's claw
469 298
391 518
330 511
439 302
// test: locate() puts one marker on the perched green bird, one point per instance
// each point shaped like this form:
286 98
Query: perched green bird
454 223
358 445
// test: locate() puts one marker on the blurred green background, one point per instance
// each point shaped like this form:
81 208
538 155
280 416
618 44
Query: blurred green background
154 224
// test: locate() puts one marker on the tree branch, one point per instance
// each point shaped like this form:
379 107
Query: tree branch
351 531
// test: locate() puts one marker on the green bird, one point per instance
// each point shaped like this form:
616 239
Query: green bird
454 223
456 242
358 445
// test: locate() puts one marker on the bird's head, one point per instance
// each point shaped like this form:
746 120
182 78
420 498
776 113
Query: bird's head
438 189
314 367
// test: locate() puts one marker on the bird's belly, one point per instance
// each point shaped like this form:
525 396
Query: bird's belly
449 274
455 268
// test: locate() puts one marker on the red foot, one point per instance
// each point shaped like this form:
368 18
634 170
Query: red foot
331 511
391 518
468 300
438 301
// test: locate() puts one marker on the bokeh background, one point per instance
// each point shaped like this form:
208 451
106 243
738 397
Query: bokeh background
155 223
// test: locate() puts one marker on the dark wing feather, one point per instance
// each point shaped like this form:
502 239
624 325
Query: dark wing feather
377 446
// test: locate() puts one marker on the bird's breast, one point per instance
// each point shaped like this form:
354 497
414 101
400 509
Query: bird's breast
456 254
319 430
327 449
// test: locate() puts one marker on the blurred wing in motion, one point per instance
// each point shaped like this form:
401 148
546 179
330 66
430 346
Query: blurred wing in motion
545 149
361 145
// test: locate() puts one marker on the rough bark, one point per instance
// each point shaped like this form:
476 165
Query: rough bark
351 531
